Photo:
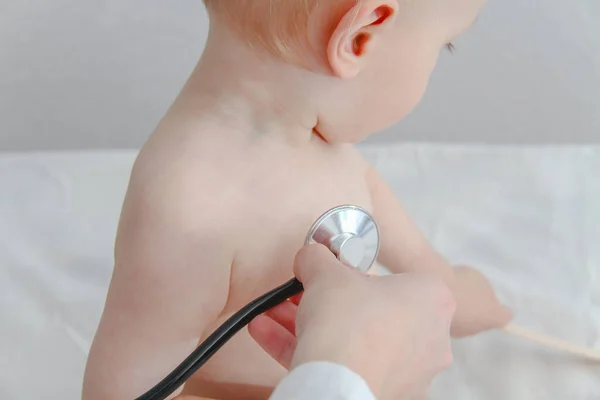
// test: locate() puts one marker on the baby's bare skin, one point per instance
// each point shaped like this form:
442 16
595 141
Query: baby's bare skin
222 195
256 197
268 226
210 223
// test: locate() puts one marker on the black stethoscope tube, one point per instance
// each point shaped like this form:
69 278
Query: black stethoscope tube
218 338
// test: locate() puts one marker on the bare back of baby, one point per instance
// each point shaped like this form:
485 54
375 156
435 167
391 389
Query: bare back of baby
298 186
282 191
211 221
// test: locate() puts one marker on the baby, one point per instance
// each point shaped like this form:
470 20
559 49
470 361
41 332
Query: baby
256 147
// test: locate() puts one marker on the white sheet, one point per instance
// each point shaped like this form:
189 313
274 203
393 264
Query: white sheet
528 217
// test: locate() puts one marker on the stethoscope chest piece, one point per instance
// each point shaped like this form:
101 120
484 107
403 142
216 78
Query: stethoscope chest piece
351 233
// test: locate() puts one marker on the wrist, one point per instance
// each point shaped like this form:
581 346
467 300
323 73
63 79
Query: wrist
357 358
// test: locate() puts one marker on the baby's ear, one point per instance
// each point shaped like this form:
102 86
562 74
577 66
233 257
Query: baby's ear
356 32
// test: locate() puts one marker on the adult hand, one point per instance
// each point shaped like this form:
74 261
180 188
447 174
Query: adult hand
394 331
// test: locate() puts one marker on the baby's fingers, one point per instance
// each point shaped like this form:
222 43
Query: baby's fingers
275 340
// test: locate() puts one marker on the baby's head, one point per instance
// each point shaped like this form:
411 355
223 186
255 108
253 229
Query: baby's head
370 60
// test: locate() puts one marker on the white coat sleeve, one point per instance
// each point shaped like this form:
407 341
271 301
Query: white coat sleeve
322 381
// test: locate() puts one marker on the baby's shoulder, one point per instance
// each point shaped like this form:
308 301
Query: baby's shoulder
175 190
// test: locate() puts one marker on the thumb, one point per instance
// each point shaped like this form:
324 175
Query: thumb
315 262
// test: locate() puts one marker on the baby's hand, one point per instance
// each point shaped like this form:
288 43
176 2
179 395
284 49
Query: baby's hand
478 308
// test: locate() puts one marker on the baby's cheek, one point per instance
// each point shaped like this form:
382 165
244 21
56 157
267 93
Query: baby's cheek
414 96
404 95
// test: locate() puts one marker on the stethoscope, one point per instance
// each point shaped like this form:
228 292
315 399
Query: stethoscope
349 232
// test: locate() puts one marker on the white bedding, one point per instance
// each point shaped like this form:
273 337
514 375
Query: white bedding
528 217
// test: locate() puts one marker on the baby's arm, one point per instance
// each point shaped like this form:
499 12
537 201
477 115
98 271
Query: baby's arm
171 278
405 249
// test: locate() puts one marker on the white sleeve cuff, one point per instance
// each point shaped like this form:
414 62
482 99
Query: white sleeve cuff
322 381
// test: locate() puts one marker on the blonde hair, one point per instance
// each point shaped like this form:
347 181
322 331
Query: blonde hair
277 25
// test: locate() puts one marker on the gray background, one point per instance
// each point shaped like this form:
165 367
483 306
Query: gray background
100 74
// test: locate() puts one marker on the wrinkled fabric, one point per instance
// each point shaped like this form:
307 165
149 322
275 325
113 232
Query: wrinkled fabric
528 218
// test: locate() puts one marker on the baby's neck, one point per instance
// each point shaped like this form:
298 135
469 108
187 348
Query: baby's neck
241 91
